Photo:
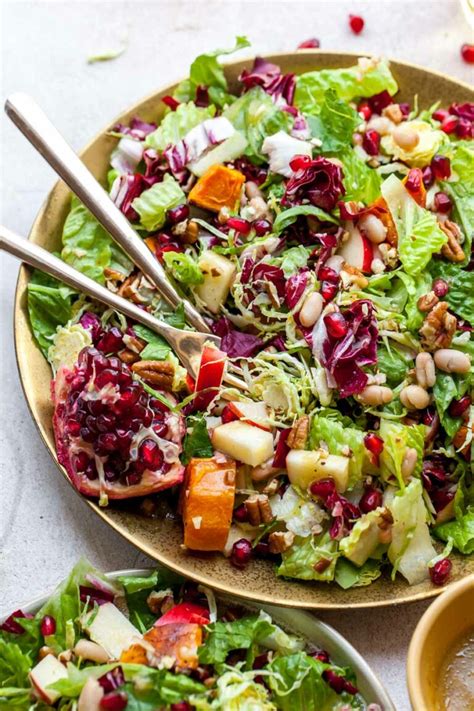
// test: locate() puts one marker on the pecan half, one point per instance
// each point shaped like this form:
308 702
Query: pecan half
133 343
426 302
155 372
452 250
258 509
128 356
438 328
299 433
280 541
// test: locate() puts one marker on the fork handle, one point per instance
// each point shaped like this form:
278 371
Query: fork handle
38 129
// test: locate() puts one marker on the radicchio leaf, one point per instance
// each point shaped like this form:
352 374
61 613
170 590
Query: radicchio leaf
295 287
235 343
320 183
137 129
270 78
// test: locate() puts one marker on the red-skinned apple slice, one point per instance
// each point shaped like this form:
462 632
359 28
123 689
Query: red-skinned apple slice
47 672
211 372
255 413
357 250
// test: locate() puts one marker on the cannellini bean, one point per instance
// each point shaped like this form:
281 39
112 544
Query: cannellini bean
425 370
373 228
252 190
414 397
375 395
452 361
91 651
405 137
91 696
311 309
409 463
377 266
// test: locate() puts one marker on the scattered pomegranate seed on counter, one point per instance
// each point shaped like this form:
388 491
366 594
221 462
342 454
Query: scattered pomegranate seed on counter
440 571
311 43
467 53
356 23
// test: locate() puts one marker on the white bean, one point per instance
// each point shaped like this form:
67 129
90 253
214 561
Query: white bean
452 361
414 397
311 309
373 228
405 137
91 696
91 651
425 370
377 266
409 463
373 395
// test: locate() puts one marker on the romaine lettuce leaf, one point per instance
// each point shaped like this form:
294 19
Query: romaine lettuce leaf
460 188
157 348
223 637
415 287
338 438
348 83
447 387
397 439
394 363
236 690
15 665
363 539
183 268
138 588
429 141
293 259
153 204
333 123
362 183
49 307
460 296
419 234
176 124
256 116
348 575
286 218
299 560
460 531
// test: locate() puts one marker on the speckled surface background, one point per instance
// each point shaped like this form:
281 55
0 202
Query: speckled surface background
44 526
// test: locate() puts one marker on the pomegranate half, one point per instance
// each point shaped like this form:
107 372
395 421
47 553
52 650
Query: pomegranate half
114 439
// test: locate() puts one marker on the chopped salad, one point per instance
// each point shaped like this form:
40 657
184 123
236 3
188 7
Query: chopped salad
156 642
324 231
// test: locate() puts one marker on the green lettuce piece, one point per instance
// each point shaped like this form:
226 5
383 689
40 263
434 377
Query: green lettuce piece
197 442
348 575
293 259
363 539
362 183
411 548
415 287
206 71
460 296
153 204
256 116
223 637
338 437
183 268
15 666
446 388
460 188
348 83
419 234
299 560
397 439
334 123
236 690
460 532
286 218
176 124
49 307
157 348
88 247
159 689
394 363
137 590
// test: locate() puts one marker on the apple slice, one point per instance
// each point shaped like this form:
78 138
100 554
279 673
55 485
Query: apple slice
305 467
357 250
47 672
243 442
111 629
255 413
218 273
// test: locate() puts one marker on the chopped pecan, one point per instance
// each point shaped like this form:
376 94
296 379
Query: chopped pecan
157 598
258 509
280 541
113 274
426 302
272 487
155 372
129 289
128 356
385 519
133 343
352 276
187 230
299 433
452 250
463 441
438 328
393 112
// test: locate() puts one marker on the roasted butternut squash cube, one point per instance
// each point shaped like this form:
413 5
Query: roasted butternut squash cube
219 187
136 654
180 641
208 502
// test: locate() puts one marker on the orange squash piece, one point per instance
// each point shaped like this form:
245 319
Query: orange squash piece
218 187
180 641
207 503
135 654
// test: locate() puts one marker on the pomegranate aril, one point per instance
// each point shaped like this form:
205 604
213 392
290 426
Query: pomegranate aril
356 23
441 167
414 180
405 109
151 455
465 128
90 471
440 287
323 489
73 427
328 274
262 549
134 424
181 706
95 407
241 514
365 110
105 423
374 443
105 443
428 177
241 553
378 102
467 53
48 626
261 227
110 472
106 377
371 142
458 407
91 423
440 571
87 435
111 341
323 656
124 438
300 162
81 461
328 290
160 429
371 499
440 115
312 43
449 124
240 225
114 701
178 214
228 415
336 325
442 203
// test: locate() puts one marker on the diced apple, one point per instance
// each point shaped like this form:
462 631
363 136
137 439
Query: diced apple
47 672
305 467
218 273
255 413
357 250
112 630
243 442
231 148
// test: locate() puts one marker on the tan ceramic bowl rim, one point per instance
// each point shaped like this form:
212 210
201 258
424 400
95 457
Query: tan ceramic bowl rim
425 625
290 597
